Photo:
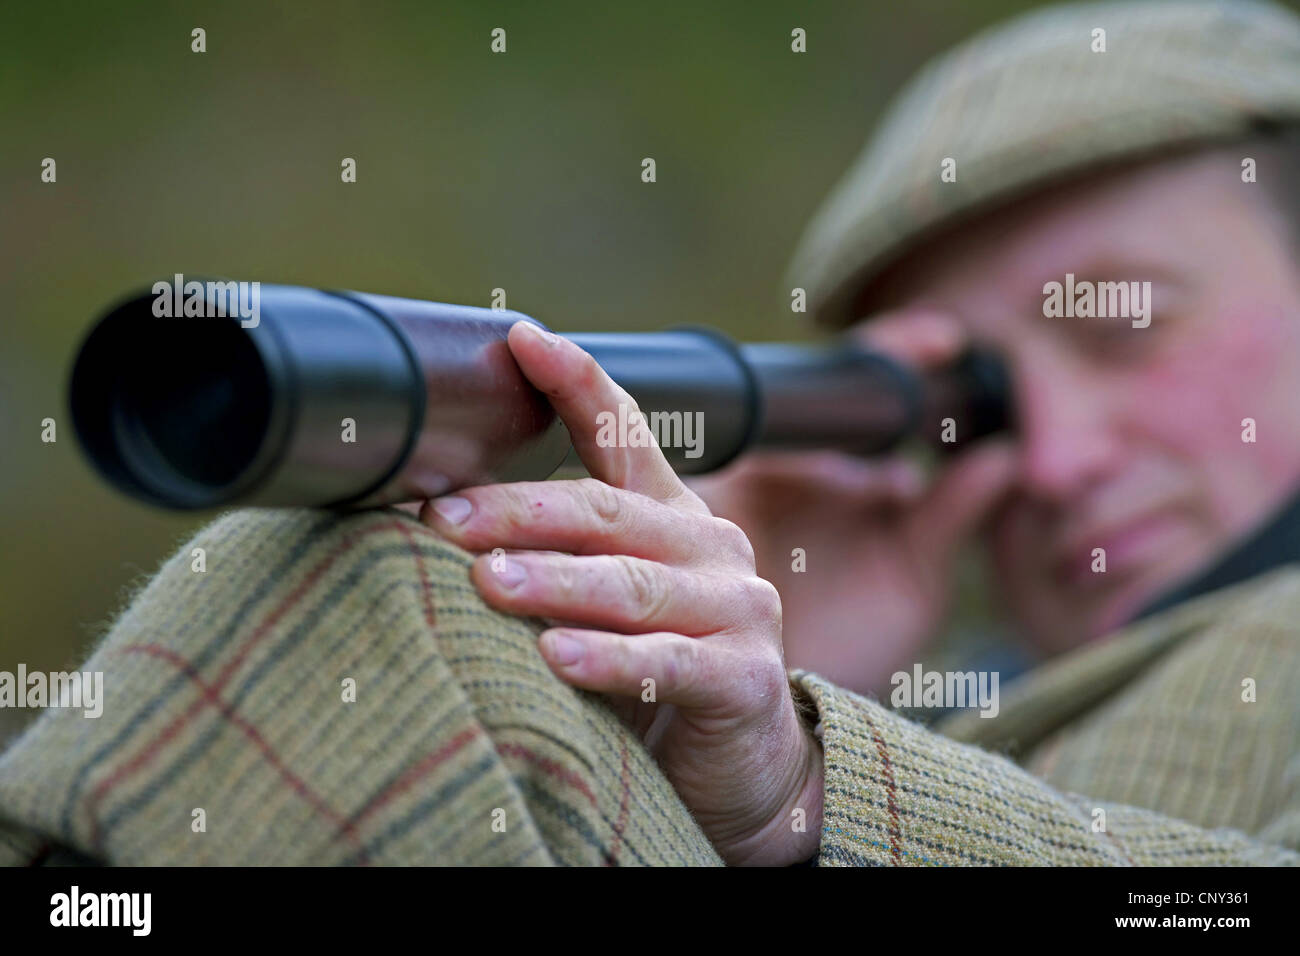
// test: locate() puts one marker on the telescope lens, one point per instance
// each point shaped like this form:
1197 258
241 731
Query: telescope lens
198 405
172 408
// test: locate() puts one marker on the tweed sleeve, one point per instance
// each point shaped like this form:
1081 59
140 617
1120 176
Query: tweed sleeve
897 794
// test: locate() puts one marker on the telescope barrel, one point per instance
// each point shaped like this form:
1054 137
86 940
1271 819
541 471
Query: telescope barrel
342 399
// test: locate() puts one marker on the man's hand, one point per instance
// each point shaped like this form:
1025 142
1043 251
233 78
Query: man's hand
660 608
878 541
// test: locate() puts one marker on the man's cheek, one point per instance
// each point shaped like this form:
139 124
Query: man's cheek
1260 371
1206 451
1182 402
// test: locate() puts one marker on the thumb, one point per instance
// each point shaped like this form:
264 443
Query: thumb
963 495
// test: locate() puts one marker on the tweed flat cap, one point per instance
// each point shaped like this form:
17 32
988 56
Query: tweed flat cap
1030 102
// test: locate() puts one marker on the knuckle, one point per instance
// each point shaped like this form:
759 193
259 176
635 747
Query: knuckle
589 373
764 600
757 675
608 506
681 665
767 676
755 678
645 594
734 540
563 575
623 663
512 508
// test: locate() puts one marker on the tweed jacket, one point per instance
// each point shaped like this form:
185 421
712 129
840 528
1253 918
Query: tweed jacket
331 690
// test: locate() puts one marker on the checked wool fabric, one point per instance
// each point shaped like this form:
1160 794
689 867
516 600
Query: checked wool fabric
224 692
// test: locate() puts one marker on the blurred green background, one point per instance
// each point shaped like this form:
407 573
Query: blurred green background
475 170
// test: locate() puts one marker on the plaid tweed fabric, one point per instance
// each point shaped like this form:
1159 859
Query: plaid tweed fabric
1177 734
224 692
1027 103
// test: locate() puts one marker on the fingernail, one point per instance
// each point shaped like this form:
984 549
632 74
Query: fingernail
540 332
563 649
510 573
453 509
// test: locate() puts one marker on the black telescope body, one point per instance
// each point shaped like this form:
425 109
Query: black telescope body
345 399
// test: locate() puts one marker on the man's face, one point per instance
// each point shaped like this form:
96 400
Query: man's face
1131 439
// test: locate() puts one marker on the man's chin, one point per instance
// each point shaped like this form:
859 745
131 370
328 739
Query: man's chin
1081 619
1116 615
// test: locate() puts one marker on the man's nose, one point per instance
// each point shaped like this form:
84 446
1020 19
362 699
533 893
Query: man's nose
1063 423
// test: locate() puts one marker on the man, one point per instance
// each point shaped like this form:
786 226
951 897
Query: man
339 690
1137 451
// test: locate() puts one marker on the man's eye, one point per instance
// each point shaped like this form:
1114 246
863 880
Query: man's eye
1117 338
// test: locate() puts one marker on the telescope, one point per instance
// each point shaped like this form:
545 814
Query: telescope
333 399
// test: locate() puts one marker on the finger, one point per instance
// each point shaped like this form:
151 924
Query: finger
582 394
585 516
965 493
664 667
621 593
923 337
